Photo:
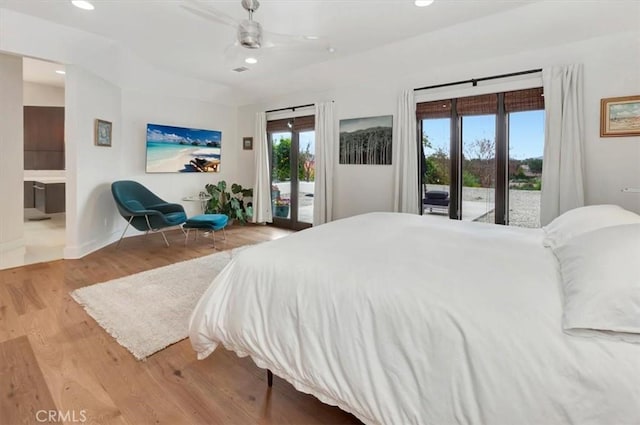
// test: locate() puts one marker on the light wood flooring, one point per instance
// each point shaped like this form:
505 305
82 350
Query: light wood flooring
54 357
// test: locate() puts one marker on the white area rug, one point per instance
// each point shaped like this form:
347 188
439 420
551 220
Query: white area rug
148 311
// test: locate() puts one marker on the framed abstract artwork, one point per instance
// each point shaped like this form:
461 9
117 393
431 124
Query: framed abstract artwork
620 116
102 133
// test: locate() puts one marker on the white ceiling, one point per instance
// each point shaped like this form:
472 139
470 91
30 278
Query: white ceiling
42 72
170 37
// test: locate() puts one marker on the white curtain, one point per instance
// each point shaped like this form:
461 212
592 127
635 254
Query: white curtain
262 212
406 191
324 163
562 167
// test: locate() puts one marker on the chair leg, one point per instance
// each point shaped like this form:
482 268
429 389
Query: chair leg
186 237
125 231
166 242
224 234
213 237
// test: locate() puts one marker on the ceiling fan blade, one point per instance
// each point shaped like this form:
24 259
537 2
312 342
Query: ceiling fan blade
208 12
282 39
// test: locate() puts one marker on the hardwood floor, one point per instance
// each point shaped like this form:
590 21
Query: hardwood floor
57 364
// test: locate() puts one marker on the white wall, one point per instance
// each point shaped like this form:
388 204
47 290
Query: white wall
35 94
90 213
11 154
140 109
611 69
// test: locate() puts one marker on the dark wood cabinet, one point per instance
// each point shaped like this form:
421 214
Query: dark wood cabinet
29 199
49 197
44 138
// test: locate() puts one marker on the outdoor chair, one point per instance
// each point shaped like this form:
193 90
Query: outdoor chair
438 199
144 210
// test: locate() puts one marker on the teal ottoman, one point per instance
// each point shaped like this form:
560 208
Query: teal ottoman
208 223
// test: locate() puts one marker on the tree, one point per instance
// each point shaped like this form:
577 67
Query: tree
306 164
481 160
282 160
535 165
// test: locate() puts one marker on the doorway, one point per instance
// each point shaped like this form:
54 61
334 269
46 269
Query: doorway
44 173
292 153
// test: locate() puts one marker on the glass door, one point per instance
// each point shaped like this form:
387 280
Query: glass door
482 156
478 167
306 175
526 149
292 147
436 165
281 176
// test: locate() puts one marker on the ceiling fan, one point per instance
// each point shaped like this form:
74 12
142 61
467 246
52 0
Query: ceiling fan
250 34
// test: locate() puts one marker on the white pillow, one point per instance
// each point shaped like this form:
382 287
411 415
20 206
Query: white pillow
601 283
585 219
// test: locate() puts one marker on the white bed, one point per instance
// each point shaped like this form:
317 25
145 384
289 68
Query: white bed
403 319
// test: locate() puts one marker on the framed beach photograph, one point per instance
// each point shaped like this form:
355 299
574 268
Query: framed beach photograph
247 143
620 116
182 150
366 140
102 133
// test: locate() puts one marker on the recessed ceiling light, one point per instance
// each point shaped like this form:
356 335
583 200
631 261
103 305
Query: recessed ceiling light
311 37
251 60
423 3
331 50
82 4
61 72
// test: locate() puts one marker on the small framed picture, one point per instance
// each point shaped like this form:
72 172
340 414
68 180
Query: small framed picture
620 116
247 143
103 133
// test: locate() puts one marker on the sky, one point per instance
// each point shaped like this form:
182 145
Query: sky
169 134
526 132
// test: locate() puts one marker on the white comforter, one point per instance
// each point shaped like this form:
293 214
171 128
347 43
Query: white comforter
402 319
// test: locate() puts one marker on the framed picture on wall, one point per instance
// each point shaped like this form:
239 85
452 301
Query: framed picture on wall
620 116
366 141
103 133
247 143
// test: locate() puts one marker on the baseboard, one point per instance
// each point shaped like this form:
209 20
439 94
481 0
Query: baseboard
79 251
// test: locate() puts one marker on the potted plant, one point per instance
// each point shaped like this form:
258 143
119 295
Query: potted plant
281 207
231 204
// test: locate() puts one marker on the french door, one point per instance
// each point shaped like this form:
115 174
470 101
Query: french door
484 153
292 153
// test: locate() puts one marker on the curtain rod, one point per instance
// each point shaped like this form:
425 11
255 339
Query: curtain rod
293 108
474 81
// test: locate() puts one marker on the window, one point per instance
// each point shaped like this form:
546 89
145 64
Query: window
485 152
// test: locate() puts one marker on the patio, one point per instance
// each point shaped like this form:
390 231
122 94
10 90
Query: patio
478 204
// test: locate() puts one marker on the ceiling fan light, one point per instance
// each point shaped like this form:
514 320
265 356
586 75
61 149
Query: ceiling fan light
82 4
311 37
60 71
423 3
250 34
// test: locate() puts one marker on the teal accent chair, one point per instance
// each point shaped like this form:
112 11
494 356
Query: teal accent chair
144 210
